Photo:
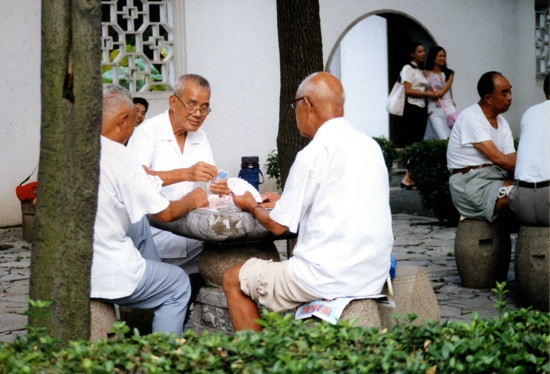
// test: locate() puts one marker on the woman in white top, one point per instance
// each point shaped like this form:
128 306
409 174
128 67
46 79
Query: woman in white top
440 78
412 125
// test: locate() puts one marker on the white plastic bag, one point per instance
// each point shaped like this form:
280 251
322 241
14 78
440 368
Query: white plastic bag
396 99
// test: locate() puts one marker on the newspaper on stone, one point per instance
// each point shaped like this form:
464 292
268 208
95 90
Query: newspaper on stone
331 310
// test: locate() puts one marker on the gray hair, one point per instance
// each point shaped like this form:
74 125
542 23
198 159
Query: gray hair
115 97
195 78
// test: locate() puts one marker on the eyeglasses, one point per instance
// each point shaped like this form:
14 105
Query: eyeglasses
293 102
192 109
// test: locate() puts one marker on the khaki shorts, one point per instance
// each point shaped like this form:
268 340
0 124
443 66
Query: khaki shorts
273 284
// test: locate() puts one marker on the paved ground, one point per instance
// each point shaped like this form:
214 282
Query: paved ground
419 240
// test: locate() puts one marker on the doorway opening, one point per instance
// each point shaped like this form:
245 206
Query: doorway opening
368 58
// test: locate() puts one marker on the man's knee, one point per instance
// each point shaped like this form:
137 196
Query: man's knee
231 278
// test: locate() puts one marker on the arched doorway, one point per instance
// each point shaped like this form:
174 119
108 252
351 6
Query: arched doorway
367 59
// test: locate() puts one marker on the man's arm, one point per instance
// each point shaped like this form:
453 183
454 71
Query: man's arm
248 203
179 208
488 148
200 172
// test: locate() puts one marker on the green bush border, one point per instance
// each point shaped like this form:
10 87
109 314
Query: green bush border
514 342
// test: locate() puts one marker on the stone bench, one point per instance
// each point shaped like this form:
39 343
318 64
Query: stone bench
103 315
412 294
482 252
531 267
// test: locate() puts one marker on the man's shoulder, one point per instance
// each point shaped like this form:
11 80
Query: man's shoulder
542 108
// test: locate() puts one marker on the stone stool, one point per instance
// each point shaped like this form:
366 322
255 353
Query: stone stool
103 315
531 267
365 311
482 252
412 294
28 211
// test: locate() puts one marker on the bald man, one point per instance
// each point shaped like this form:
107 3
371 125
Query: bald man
120 273
337 193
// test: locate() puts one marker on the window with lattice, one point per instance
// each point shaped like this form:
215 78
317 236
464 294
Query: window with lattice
542 28
138 44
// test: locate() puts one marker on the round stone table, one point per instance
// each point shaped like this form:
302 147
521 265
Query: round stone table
231 236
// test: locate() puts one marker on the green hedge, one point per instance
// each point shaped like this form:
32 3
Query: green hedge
427 163
514 342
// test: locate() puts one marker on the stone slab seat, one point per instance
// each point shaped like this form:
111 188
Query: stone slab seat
531 267
482 252
103 315
413 294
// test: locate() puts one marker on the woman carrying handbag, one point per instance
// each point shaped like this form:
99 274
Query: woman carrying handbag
442 111
412 125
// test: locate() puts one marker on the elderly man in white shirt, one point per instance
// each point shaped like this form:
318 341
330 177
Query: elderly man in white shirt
529 197
481 154
173 147
120 273
337 193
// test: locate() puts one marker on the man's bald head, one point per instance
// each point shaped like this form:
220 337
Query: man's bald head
319 98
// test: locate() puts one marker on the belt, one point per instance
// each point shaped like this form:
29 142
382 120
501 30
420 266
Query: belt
468 168
533 185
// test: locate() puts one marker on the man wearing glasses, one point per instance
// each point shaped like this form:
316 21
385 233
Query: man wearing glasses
337 194
173 147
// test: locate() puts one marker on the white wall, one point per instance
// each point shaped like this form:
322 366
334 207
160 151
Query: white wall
363 70
19 101
234 44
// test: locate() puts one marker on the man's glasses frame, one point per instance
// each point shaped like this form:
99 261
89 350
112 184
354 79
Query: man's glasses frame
192 109
295 101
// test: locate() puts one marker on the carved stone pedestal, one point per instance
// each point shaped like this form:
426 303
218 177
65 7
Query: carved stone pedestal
531 267
482 252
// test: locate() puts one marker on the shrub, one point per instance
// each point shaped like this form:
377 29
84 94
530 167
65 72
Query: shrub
427 163
272 167
388 151
514 342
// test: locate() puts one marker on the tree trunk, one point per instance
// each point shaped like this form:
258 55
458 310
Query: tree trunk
69 165
300 54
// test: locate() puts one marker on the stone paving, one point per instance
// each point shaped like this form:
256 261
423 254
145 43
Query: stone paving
419 240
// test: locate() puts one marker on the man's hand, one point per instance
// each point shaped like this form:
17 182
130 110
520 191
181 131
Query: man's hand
198 198
200 172
269 199
219 187
244 202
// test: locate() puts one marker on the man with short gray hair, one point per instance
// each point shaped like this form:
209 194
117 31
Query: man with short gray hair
120 273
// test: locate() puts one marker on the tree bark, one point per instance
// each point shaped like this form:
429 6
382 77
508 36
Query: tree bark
69 166
300 54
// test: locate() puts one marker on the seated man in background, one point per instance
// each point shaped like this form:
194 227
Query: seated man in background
173 147
481 154
141 105
337 193
120 274
529 197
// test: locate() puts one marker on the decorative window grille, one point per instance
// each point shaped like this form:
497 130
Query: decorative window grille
138 44
542 27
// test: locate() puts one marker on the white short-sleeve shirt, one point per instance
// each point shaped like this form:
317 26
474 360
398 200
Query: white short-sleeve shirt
472 127
533 160
125 195
156 147
337 195
418 82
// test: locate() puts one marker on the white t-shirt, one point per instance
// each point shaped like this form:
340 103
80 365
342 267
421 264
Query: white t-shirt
125 195
471 127
418 82
532 163
337 193
156 147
